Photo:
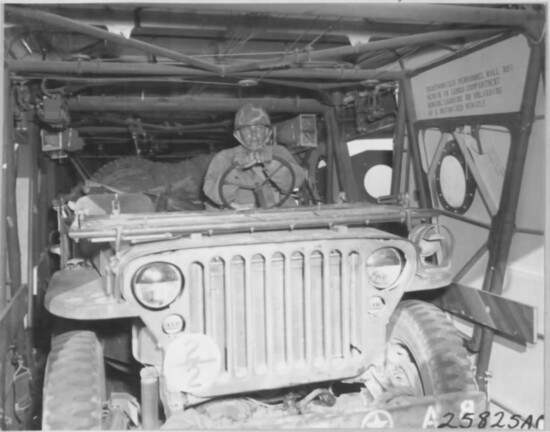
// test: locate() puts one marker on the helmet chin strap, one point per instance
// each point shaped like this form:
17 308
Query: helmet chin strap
237 136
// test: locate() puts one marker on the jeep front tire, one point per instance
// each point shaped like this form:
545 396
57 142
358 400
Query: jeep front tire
74 387
425 351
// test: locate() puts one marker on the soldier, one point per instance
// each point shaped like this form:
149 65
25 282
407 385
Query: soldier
253 165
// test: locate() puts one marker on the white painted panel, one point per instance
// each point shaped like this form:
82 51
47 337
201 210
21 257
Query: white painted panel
524 279
518 376
531 202
487 81
468 239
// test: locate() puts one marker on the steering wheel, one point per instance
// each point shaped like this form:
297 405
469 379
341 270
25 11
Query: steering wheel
259 182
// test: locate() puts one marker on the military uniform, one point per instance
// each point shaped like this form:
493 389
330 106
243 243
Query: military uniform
253 165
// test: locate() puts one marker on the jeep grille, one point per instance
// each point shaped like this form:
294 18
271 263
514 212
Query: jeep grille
283 315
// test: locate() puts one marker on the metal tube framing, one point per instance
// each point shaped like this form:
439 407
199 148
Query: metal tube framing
429 37
149 398
9 165
112 130
69 24
398 147
190 103
394 12
14 250
420 178
6 88
98 67
35 243
3 190
348 22
329 180
335 73
343 161
79 68
471 262
503 226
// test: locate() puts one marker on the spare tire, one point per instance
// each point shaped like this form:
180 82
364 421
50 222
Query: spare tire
129 174
134 175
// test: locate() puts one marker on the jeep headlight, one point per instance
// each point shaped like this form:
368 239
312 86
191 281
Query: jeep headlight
158 284
384 267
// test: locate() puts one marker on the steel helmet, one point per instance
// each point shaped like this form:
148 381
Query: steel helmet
249 115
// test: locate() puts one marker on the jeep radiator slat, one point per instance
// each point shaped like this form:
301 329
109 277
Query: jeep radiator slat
335 301
346 305
197 292
237 306
277 293
315 260
338 306
217 294
297 305
251 345
308 301
208 303
287 311
361 306
270 316
327 324
241 312
229 326
354 283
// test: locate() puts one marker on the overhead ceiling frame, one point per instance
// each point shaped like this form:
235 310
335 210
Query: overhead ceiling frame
275 62
402 12
97 67
190 104
56 20
146 18
401 41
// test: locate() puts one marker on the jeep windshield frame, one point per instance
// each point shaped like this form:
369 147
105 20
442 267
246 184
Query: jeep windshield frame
158 226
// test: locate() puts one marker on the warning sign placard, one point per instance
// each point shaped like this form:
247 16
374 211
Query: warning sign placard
488 81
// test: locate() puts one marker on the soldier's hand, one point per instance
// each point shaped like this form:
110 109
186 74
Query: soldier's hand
263 155
240 159
244 160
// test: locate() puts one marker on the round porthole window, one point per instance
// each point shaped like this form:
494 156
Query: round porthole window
377 180
372 170
455 185
452 181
